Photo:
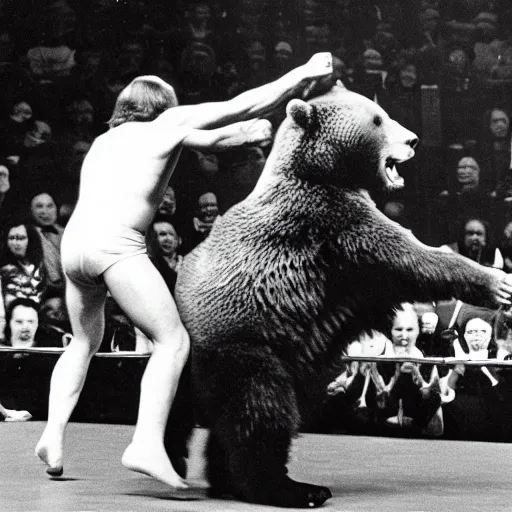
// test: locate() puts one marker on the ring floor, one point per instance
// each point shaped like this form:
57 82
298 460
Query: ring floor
363 473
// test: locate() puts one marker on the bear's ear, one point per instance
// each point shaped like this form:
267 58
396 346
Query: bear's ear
340 84
301 112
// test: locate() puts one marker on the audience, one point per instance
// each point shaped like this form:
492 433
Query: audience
67 62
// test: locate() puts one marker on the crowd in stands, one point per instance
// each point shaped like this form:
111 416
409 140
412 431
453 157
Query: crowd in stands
442 68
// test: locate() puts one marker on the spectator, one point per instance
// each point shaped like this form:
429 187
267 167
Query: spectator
198 77
475 244
13 129
163 244
22 321
44 214
465 199
479 399
54 327
282 59
38 166
459 95
22 267
200 24
412 401
487 45
206 213
5 186
494 153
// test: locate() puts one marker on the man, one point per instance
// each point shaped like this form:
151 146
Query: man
44 214
22 323
123 179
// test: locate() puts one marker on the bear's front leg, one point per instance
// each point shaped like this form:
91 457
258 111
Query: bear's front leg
254 421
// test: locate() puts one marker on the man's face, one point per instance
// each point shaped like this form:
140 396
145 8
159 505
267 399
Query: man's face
44 210
5 184
499 123
458 61
202 13
21 112
408 76
82 113
477 334
474 235
39 134
405 329
17 241
23 324
167 237
317 37
168 204
468 172
208 207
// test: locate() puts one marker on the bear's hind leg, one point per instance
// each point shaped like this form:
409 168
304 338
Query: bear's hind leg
253 429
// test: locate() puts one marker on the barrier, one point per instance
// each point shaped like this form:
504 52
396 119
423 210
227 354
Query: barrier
477 411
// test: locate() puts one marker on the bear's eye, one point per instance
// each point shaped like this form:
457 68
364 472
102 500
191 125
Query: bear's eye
377 120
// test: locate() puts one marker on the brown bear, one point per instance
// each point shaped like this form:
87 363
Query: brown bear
292 273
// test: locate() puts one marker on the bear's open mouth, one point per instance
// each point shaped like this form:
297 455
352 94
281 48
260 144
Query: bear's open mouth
394 179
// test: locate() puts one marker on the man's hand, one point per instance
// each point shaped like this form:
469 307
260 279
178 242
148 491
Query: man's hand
257 132
319 66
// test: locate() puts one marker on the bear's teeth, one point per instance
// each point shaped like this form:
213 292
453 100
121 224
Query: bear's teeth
393 176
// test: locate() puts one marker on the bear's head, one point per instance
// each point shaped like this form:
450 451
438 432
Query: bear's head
343 139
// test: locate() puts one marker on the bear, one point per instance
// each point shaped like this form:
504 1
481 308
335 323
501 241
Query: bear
292 273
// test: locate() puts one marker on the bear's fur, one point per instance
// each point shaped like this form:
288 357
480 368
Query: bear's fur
291 274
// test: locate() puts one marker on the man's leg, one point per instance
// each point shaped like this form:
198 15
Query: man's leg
86 314
141 292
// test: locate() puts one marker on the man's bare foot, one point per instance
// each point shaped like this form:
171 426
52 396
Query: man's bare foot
154 462
51 456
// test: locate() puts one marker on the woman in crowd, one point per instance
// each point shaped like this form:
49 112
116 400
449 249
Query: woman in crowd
21 264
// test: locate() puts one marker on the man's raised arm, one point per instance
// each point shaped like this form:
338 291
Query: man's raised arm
253 103
245 133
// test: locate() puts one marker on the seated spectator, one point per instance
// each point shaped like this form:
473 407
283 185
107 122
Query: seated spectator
487 45
39 162
206 213
474 394
494 153
14 127
282 59
44 214
54 327
475 243
163 244
398 394
459 95
22 321
22 269
466 198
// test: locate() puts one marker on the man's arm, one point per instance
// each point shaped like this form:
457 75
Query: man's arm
245 133
254 103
